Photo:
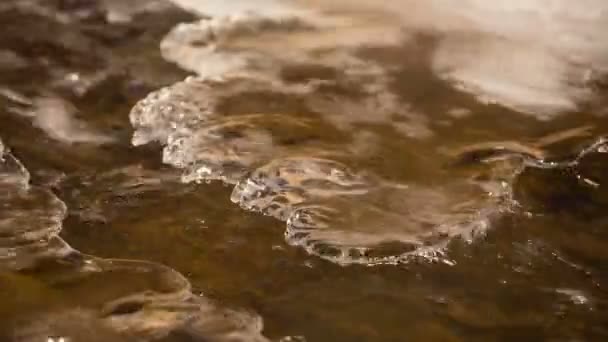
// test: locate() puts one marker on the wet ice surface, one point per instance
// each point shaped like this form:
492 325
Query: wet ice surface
31 217
334 72
451 148
289 155
76 294
486 49
160 304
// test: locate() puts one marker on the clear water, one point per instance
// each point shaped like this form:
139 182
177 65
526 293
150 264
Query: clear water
303 170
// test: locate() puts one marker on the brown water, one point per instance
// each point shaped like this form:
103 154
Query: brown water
310 196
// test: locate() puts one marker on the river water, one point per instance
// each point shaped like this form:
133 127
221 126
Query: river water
303 170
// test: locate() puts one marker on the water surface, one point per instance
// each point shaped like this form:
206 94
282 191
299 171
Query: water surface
303 170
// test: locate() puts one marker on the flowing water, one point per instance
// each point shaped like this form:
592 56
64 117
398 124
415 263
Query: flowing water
303 170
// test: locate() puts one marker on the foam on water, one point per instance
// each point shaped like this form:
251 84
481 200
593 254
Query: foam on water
149 302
